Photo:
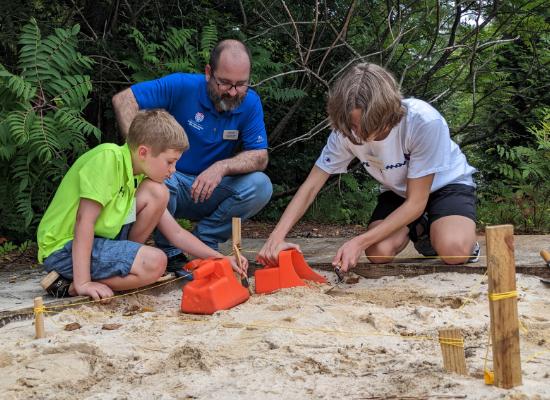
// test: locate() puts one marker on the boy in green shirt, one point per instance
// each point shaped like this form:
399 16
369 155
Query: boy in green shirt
105 208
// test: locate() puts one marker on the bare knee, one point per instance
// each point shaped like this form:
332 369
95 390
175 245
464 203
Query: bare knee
454 252
152 262
381 253
153 193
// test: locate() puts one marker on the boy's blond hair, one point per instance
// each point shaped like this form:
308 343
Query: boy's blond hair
157 129
374 91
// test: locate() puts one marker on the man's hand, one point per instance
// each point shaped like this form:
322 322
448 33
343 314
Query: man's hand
348 254
95 290
242 270
269 254
206 182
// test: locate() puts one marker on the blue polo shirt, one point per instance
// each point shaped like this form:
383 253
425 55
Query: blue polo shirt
213 136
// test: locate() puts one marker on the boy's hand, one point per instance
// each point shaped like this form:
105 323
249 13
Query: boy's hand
235 265
95 290
269 253
348 254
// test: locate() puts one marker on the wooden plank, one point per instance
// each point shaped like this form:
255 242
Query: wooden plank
504 312
452 348
374 271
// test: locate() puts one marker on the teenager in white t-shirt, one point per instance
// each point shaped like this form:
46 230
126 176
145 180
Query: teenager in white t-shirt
427 191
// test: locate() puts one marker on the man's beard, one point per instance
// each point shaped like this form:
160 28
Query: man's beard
223 102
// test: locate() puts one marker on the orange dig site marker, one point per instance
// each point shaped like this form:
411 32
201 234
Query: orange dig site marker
291 272
214 287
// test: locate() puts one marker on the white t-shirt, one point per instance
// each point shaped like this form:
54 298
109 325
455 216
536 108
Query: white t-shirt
419 145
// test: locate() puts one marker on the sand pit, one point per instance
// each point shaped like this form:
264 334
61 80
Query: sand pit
371 339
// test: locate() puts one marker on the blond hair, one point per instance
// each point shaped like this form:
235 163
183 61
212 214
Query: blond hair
157 129
374 91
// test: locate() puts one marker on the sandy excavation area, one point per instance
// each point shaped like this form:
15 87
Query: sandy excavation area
372 339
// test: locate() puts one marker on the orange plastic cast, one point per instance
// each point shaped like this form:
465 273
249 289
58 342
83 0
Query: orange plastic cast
291 272
214 287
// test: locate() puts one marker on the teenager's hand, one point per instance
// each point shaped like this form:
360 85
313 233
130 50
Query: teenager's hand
348 254
242 270
95 290
269 253
206 182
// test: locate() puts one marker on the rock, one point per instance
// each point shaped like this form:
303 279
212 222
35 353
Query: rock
73 326
423 313
110 327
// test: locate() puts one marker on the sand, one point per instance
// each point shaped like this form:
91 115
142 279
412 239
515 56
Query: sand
371 339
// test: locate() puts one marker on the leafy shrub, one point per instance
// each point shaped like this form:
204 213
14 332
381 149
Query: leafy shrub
522 196
41 125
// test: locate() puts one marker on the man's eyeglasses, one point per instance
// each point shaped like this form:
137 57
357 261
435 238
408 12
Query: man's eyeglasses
226 87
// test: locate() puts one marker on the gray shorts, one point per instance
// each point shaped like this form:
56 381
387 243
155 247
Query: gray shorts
110 257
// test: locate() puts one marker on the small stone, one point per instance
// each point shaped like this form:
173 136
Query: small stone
110 327
73 326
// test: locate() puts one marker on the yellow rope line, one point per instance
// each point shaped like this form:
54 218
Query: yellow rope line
503 295
396 256
323 330
116 296
39 310
452 341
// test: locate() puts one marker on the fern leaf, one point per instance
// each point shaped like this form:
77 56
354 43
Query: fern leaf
18 86
71 90
70 121
209 38
20 124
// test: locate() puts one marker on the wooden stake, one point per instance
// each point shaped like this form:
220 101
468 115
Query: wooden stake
504 312
39 318
236 231
452 348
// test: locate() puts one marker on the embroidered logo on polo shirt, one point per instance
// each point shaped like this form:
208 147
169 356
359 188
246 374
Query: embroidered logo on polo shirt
199 117
259 139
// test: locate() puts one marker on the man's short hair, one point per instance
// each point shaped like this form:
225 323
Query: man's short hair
157 129
227 44
374 91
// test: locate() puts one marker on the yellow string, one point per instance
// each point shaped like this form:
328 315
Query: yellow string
396 256
452 341
112 297
39 310
469 297
502 296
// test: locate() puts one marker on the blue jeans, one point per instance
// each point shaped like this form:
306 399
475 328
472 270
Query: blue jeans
236 196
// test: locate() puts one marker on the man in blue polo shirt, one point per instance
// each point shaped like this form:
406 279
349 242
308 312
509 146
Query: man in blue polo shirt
219 177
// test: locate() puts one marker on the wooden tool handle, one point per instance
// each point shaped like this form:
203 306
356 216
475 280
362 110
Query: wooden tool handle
545 255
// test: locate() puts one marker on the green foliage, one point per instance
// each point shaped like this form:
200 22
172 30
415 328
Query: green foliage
175 53
185 224
8 248
41 124
522 195
351 201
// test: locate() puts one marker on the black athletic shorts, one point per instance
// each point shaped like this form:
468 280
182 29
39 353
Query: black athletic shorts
454 199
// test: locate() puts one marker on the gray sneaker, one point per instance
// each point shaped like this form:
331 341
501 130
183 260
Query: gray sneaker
475 254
